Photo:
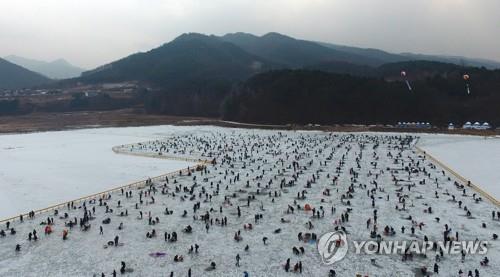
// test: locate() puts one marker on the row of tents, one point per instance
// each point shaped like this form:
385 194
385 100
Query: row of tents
474 126
451 126
420 125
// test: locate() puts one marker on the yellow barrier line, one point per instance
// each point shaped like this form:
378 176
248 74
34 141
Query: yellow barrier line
128 186
459 177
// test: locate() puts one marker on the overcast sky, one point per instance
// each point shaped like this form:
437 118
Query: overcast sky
89 33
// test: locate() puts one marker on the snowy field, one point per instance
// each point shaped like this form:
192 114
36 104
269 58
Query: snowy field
268 173
42 169
475 158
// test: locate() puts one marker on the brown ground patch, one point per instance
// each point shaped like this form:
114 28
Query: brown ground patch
38 122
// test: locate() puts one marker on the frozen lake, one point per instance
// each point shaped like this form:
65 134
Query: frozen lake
42 169
258 179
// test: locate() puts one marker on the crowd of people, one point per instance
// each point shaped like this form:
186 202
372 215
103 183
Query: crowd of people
265 198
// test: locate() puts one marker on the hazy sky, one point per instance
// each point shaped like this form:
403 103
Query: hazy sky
93 32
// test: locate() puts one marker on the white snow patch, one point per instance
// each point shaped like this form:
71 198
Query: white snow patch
475 158
42 169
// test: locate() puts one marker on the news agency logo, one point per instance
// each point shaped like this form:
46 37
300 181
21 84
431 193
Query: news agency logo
332 247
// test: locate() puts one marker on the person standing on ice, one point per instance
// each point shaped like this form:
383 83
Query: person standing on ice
122 269
238 260
287 265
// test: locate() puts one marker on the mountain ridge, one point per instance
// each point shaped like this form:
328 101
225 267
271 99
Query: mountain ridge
56 69
273 50
13 76
292 52
191 56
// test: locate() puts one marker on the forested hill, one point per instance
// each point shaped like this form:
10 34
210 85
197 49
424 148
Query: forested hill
303 96
414 70
295 53
194 59
189 59
13 76
279 79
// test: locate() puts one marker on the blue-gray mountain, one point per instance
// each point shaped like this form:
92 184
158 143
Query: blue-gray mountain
57 69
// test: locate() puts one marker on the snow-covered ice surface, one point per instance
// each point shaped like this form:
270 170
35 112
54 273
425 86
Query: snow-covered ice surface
475 158
42 169
260 164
